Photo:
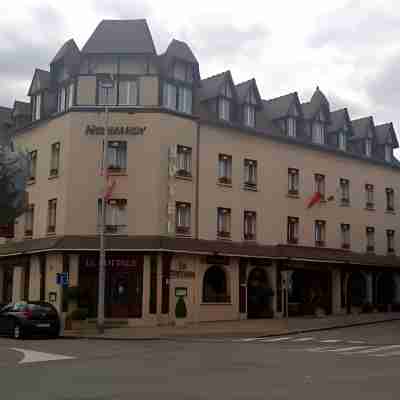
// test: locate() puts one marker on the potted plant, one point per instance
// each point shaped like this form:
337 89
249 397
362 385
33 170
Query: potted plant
180 311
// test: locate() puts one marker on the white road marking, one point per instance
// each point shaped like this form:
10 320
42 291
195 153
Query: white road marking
248 339
331 341
31 356
345 349
279 339
304 339
319 349
356 341
377 349
390 354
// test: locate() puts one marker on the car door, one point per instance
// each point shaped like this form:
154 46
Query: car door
5 320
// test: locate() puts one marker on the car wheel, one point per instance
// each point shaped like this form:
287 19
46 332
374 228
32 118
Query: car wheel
17 331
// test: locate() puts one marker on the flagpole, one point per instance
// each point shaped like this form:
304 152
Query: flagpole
102 259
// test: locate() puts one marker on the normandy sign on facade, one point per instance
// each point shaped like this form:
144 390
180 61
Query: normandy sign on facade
115 130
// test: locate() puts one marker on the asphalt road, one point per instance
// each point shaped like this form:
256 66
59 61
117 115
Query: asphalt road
353 363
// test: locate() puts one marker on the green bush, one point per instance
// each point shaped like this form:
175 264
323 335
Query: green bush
180 309
79 314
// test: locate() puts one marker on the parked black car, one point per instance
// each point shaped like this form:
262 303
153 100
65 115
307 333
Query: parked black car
23 319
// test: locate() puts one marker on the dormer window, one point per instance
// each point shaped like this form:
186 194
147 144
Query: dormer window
342 141
36 106
291 127
368 147
224 103
249 115
318 132
388 153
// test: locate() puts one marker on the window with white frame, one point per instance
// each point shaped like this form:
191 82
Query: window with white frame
320 230
342 141
117 156
370 231
52 216
249 111
224 222
389 199
320 185
369 193
344 191
250 173
390 235
128 93
184 161
368 147
388 153
70 95
106 95
250 225
169 96
293 230
32 165
36 107
55 159
29 219
318 132
183 211
224 109
61 99
225 169
291 127
116 215
345 231
185 99
293 181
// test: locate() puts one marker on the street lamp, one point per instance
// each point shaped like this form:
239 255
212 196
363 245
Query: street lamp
107 85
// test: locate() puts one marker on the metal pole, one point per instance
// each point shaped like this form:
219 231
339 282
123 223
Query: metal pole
102 259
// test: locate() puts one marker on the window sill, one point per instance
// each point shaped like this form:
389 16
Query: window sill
320 244
183 235
369 208
392 212
217 304
227 185
53 177
117 173
344 204
184 178
345 247
31 181
30 236
293 242
250 188
51 233
293 195
228 238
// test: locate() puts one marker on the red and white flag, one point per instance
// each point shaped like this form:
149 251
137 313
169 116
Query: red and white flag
316 198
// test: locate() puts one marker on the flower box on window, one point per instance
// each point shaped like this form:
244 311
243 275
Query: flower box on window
225 180
51 229
183 230
183 173
54 172
224 234
371 248
249 236
319 243
345 246
115 169
28 232
250 185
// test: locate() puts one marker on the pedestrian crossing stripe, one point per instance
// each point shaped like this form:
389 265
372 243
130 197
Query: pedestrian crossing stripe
377 349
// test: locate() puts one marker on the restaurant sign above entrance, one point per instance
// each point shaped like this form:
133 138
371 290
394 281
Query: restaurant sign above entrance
115 130
112 261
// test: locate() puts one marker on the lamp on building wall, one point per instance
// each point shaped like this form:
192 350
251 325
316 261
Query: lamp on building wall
107 85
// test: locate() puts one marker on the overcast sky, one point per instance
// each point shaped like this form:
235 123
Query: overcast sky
351 49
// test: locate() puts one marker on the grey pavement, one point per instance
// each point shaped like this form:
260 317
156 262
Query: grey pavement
326 364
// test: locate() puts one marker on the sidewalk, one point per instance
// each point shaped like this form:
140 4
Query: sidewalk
260 327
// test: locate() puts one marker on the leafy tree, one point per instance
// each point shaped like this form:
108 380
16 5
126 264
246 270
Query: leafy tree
13 176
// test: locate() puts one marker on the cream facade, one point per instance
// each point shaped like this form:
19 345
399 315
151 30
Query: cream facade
179 226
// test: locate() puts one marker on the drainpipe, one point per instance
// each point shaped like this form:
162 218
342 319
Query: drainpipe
197 193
